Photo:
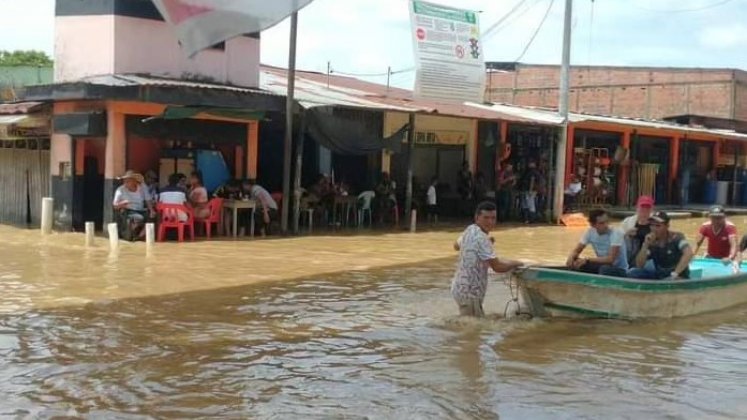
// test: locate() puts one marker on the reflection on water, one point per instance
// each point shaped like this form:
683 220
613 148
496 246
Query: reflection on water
189 332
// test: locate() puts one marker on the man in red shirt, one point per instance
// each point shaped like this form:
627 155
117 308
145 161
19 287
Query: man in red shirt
721 235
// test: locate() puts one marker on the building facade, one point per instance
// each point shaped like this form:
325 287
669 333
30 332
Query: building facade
636 92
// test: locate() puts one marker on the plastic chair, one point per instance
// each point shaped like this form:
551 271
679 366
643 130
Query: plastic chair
364 207
169 219
216 212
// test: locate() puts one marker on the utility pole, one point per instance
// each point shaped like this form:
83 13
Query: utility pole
565 71
388 78
329 70
289 109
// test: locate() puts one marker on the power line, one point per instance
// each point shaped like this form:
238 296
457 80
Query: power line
486 33
515 18
694 9
352 74
591 33
536 31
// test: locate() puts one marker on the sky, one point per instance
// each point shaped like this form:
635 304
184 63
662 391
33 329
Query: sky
368 36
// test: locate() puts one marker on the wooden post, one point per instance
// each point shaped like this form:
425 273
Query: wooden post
113 236
674 165
410 158
299 171
47 215
623 190
90 232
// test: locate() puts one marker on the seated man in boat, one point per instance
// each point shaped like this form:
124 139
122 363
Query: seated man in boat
476 254
609 246
669 251
636 227
721 235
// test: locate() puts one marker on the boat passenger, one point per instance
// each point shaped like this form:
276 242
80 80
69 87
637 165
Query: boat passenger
636 227
669 251
476 254
721 235
609 246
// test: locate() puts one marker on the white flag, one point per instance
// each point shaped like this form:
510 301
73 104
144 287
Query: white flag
200 24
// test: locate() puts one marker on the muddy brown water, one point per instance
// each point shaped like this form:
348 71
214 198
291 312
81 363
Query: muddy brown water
333 327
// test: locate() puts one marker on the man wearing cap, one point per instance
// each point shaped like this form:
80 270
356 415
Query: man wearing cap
134 203
636 227
669 251
721 235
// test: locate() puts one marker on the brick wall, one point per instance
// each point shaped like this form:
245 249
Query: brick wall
624 91
741 96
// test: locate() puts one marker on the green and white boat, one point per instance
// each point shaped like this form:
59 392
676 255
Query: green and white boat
555 292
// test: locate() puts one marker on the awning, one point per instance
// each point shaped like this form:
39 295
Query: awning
349 137
18 127
184 112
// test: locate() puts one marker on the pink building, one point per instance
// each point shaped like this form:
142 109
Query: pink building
118 65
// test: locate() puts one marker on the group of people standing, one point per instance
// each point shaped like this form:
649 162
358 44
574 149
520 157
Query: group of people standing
531 187
644 247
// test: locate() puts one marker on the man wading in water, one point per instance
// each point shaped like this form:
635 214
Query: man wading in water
476 254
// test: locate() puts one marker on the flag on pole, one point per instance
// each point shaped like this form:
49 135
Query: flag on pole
200 24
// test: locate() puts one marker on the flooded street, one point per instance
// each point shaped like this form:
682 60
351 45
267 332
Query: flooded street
284 329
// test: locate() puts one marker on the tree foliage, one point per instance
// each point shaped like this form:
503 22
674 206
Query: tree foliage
25 58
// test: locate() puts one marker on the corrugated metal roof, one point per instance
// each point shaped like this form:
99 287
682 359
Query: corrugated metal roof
317 89
127 80
20 108
546 116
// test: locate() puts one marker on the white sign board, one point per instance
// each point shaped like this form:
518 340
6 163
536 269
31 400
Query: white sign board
448 53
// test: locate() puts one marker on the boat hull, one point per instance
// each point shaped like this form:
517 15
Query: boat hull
548 292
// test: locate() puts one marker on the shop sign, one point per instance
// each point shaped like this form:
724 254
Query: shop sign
442 137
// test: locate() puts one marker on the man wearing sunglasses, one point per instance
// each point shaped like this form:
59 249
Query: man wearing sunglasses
669 251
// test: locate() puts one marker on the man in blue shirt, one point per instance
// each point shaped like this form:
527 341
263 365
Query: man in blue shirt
609 247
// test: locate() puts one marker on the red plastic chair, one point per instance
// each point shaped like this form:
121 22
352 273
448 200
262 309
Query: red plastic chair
215 218
169 219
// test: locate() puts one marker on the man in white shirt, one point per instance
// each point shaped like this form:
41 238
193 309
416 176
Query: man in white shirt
476 254
432 201
609 246
135 203
267 205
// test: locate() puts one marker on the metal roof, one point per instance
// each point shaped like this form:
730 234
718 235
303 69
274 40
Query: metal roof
127 80
317 89
20 108
547 116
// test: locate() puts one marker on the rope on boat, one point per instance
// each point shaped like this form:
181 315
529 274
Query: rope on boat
510 281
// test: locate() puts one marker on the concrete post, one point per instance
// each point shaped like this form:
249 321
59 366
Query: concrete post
47 216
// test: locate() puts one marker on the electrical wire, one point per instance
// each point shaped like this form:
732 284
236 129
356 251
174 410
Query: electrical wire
694 9
515 18
486 33
591 33
536 31
352 74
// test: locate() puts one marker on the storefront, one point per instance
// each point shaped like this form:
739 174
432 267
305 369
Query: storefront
24 166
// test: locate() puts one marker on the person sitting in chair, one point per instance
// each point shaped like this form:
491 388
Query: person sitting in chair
266 204
134 205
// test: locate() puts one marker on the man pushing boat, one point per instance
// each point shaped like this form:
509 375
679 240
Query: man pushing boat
476 254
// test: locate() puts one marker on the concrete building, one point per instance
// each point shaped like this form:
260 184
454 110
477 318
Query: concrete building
638 92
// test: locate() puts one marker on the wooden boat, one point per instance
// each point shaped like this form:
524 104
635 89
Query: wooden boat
555 292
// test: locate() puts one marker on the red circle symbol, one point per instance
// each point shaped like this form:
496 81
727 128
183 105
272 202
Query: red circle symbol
460 51
420 34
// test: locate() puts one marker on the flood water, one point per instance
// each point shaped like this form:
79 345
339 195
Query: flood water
177 334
